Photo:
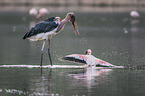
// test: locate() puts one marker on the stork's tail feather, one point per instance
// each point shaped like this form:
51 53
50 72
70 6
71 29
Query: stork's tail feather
26 35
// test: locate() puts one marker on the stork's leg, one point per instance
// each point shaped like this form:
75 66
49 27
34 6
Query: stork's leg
42 52
49 52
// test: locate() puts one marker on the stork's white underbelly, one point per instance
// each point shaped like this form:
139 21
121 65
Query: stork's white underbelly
43 36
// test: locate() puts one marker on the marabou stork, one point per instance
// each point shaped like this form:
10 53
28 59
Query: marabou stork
33 12
88 59
46 29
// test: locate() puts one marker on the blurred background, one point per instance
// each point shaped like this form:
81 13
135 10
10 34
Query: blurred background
75 5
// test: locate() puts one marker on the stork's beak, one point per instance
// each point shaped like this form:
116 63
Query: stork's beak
73 22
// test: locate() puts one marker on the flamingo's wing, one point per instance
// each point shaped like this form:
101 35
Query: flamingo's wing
76 58
102 63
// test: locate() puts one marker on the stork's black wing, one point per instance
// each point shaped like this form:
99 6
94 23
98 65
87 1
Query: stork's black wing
42 27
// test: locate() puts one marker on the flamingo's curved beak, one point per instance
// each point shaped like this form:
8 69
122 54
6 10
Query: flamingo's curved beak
73 22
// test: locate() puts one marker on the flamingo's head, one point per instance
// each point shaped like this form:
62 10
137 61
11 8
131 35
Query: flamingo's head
88 52
71 17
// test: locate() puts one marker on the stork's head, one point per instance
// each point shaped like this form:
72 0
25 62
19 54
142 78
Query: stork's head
71 17
58 19
88 52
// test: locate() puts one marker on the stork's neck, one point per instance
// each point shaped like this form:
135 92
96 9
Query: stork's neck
61 25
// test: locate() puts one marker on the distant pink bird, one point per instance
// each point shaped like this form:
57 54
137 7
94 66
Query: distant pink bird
134 14
33 12
88 59
42 13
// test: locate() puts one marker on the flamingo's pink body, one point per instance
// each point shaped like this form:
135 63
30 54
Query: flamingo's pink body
42 13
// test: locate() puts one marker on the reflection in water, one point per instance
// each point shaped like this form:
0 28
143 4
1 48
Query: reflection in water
51 83
32 84
134 21
125 30
90 75
41 85
134 43
66 82
134 25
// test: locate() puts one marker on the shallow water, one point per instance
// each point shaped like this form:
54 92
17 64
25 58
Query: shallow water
113 36
69 82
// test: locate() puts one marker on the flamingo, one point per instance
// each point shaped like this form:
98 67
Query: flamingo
134 14
42 13
88 59
46 29
33 12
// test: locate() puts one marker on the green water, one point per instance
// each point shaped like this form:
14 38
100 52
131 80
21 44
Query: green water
112 36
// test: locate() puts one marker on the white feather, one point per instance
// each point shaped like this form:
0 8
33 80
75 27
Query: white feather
43 36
